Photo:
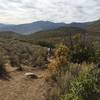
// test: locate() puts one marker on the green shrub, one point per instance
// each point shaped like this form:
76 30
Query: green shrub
2 66
79 82
26 54
85 87
45 44
2 70
83 53
70 97
82 49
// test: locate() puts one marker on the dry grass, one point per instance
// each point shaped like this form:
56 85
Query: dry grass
61 84
19 87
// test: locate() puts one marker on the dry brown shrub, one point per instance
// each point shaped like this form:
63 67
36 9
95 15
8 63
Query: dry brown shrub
59 63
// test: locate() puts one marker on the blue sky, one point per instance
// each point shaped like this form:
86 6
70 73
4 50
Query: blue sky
26 11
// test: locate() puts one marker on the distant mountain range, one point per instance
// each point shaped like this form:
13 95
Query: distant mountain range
47 25
31 27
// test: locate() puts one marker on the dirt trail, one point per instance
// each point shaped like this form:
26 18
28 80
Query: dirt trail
21 88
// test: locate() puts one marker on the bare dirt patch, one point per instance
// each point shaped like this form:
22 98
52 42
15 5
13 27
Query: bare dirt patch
18 87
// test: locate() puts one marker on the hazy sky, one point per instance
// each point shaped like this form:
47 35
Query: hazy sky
24 11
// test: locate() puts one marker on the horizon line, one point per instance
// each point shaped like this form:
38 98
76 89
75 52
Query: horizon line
50 21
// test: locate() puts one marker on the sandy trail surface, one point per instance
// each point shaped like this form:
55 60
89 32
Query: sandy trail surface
18 87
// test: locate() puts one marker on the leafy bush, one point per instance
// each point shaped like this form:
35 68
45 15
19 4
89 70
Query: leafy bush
84 87
82 52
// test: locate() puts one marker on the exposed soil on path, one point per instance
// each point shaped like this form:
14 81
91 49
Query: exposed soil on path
19 87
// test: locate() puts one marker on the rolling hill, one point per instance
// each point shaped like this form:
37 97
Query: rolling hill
94 26
59 32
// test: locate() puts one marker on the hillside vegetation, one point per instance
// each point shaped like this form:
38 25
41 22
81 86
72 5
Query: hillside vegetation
94 26
71 72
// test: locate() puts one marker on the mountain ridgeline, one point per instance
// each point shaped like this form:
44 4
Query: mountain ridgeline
38 26
31 27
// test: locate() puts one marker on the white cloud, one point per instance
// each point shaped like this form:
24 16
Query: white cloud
24 11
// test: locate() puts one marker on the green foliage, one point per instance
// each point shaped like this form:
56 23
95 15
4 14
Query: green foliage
28 55
82 53
70 97
79 82
2 66
82 50
23 53
45 44
95 26
60 32
97 53
84 87
2 70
